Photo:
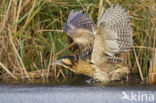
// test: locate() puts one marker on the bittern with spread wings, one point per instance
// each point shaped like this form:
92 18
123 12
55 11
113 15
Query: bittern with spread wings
101 45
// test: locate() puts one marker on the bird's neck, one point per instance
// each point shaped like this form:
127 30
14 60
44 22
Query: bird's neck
84 67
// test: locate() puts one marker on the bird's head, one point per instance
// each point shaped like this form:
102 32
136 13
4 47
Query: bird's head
76 65
67 61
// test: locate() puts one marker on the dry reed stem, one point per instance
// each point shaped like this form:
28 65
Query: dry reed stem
100 7
139 68
63 74
34 75
5 18
16 51
135 64
152 69
58 53
25 3
50 30
53 59
13 12
63 50
51 53
31 10
17 15
41 58
144 47
61 16
60 72
109 2
8 71
27 19
35 66
75 52
142 6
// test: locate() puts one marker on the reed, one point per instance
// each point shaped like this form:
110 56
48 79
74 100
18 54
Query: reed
31 37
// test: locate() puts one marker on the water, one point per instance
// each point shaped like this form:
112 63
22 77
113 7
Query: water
77 93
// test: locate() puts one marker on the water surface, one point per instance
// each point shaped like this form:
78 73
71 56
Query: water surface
76 93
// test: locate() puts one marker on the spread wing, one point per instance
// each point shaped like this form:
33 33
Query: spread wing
113 35
80 28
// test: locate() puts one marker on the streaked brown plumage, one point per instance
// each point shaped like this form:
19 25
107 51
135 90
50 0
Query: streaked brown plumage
75 64
103 44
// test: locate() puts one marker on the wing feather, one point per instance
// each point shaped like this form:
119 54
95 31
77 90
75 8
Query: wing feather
80 28
117 21
114 32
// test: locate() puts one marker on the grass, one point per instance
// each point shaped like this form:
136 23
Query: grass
31 37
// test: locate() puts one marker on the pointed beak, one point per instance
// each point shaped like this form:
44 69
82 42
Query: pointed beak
57 62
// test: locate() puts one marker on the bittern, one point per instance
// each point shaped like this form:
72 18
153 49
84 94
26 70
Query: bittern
101 46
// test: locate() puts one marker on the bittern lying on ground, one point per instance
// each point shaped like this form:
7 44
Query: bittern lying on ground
101 46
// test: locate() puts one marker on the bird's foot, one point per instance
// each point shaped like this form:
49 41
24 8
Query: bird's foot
91 81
